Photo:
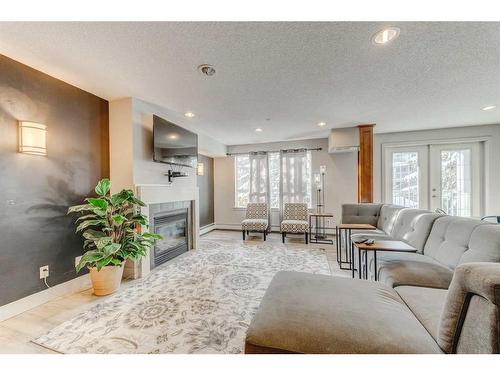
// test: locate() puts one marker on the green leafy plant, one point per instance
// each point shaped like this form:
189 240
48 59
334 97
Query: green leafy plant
110 225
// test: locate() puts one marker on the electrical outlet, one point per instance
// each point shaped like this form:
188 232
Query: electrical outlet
77 260
44 272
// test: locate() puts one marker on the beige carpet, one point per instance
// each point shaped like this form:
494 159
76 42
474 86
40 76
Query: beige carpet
201 302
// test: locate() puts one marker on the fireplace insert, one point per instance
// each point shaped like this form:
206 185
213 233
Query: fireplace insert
173 227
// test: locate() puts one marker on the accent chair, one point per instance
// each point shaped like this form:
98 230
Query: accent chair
256 219
295 220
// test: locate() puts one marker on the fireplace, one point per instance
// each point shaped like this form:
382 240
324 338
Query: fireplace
173 226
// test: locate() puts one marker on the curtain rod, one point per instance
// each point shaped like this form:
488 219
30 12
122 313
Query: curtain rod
266 152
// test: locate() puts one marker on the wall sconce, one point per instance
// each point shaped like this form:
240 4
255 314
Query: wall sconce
32 138
201 169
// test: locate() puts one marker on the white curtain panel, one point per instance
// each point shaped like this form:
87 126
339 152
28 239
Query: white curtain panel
295 177
259 178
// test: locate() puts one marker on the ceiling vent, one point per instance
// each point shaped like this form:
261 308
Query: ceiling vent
207 70
343 140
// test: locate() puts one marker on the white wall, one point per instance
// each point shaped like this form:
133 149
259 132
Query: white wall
131 146
121 149
340 182
491 162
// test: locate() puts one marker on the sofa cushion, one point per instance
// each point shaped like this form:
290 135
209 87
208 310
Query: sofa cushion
413 226
484 245
449 239
308 313
426 303
387 217
364 213
395 269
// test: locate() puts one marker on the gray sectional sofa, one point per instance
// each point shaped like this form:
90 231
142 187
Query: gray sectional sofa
443 299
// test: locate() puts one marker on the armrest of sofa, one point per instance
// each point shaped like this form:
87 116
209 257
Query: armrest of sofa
471 280
360 213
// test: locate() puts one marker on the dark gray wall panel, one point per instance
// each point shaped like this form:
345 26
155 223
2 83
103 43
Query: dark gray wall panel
206 186
35 190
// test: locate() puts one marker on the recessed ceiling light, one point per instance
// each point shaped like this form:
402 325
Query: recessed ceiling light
386 35
207 70
489 108
258 130
322 123
189 114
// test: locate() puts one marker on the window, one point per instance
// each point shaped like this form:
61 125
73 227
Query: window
456 182
274 179
296 178
405 179
242 180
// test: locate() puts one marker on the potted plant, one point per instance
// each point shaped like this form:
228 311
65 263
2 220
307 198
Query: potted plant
110 225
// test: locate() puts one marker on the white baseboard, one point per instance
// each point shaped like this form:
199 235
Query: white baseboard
228 226
27 303
207 228
274 228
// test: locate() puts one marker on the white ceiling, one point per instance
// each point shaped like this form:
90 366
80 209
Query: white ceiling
294 74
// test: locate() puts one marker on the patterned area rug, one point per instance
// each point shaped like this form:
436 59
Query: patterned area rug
200 302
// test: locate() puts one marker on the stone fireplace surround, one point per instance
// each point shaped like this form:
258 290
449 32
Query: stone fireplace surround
162 198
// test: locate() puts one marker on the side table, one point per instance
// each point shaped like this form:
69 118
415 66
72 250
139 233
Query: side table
319 235
346 231
382 245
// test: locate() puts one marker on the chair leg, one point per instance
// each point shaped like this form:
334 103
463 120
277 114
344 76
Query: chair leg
264 235
243 235
307 238
283 235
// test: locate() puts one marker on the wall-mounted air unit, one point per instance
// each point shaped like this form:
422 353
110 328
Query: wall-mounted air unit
343 140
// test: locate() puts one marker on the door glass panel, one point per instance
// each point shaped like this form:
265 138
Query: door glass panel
405 179
456 182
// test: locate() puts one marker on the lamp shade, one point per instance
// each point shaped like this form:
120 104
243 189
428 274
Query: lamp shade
317 180
32 138
201 169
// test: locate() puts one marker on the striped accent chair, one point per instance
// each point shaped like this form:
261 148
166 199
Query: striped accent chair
295 220
256 220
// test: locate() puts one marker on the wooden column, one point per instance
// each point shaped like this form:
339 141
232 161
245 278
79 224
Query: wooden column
365 164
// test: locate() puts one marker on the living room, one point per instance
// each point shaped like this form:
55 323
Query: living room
247 187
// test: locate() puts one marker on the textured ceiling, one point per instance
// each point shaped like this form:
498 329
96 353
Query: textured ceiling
282 77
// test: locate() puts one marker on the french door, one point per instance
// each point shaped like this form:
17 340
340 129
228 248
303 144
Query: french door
406 177
455 178
435 176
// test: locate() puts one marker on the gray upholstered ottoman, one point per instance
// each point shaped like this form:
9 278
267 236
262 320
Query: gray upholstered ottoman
307 313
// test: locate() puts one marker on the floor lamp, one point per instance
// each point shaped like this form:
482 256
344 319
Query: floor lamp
319 181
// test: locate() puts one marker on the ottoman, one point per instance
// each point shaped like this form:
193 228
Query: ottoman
308 313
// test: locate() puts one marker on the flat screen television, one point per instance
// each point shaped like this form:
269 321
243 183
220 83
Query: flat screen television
173 144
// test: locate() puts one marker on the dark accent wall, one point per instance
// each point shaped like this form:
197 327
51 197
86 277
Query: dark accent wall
206 187
36 190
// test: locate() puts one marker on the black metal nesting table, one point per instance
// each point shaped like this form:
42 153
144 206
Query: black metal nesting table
346 231
319 235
